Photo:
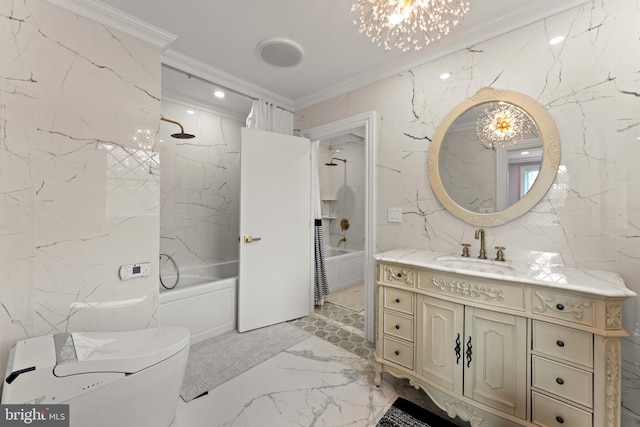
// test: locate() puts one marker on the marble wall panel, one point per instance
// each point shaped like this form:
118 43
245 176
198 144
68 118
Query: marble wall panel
200 187
79 179
590 86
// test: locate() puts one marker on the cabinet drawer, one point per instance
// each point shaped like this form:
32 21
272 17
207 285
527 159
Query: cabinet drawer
552 413
397 352
397 299
398 275
473 289
398 326
563 343
571 383
562 306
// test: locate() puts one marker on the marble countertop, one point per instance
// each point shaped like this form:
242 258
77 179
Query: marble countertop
548 274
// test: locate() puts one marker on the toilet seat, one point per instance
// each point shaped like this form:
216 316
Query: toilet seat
124 352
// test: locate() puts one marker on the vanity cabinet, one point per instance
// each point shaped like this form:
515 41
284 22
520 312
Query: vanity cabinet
502 349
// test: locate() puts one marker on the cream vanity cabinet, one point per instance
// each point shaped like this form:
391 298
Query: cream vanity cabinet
500 346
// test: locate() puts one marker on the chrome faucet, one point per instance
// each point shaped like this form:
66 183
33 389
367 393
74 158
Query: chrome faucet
480 235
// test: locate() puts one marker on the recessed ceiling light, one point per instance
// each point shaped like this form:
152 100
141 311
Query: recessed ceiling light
280 52
556 40
190 112
445 76
524 153
218 94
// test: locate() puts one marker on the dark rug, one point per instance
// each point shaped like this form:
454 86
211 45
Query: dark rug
407 414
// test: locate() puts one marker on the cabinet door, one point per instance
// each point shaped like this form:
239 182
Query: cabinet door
439 334
496 374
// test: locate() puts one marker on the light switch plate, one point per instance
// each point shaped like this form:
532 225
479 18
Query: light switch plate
394 215
132 271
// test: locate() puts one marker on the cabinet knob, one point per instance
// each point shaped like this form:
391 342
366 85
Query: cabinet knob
560 343
397 353
560 381
397 326
398 300
560 307
399 275
559 420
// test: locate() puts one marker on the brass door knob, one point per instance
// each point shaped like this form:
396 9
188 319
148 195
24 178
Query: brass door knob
249 239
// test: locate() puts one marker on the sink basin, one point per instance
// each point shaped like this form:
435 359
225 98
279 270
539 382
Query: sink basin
475 264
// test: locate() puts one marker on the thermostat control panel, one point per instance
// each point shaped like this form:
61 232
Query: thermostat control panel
132 271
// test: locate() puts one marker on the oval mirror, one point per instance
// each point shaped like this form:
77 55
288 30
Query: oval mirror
494 157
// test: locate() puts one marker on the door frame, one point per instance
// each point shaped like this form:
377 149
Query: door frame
369 122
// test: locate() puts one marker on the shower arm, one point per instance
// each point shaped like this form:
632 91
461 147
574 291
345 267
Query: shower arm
336 158
174 122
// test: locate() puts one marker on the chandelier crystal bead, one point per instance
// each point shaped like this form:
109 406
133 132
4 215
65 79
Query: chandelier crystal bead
407 24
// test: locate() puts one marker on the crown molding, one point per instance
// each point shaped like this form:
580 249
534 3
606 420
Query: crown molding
454 42
197 68
112 17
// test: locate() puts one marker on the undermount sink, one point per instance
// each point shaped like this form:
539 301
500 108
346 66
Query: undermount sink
475 264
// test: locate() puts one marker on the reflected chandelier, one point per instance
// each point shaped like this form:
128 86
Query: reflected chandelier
407 24
501 125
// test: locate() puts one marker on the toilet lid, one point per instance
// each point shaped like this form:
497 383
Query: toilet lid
128 352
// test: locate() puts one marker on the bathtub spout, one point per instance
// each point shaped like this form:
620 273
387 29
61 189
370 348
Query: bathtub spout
344 239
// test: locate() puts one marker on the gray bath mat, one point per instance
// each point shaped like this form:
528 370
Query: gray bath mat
218 359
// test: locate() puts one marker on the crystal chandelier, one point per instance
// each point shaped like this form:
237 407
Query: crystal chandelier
407 24
501 125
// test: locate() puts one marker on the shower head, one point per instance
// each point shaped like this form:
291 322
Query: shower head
335 164
182 134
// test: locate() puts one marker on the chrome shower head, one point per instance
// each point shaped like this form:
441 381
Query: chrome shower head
182 134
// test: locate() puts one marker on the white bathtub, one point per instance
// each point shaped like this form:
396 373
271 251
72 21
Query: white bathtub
204 300
344 268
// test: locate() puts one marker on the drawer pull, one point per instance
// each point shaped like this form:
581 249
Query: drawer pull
397 326
399 275
397 353
559 420
560 381
398 300
560 307
560 343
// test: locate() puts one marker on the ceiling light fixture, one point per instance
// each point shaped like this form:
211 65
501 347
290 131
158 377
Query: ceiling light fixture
407 24
218 94
556 40
501 125
445 76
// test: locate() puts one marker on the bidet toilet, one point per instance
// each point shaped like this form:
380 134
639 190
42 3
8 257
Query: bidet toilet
130 378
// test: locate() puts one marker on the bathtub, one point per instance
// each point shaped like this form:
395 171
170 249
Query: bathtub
344 268
204 300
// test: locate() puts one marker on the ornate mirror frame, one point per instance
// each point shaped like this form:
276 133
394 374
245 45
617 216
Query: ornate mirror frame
548 169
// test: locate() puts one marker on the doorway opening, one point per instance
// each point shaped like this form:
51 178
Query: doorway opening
342 135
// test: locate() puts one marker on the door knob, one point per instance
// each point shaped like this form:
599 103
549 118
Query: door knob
249 239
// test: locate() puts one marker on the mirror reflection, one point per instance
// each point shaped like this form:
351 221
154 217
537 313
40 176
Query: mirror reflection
490 157
493 157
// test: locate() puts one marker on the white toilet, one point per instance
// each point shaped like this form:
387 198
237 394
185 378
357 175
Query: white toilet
108 378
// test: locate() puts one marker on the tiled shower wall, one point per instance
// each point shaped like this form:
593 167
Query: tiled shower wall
79 180
590 84
200 186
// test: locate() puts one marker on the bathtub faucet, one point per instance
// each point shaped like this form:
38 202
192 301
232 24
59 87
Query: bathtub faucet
344 239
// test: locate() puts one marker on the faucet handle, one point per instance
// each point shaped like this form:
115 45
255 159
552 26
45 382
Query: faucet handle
465 250
500 253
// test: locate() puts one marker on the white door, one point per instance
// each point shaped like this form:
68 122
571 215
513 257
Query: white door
276 248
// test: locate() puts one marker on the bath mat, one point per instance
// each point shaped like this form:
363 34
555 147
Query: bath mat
407 414
351 298
218 359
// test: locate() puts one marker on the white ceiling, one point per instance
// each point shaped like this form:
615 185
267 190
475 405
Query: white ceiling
221 38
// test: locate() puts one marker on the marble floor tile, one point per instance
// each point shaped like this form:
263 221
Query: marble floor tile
313 383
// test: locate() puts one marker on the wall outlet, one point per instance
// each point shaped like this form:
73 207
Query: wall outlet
394 215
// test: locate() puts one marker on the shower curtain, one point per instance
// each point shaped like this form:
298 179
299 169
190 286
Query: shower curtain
269 117
320 285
